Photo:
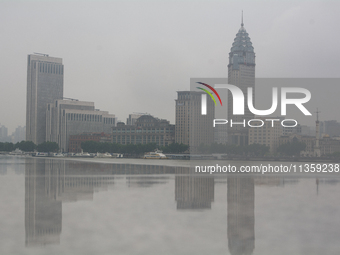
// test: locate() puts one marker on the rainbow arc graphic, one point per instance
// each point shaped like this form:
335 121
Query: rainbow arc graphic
209 93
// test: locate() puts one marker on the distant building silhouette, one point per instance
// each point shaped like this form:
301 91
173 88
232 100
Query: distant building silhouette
332 128
131 120
19 134
4 134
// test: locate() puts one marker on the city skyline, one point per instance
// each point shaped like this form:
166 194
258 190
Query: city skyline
148 52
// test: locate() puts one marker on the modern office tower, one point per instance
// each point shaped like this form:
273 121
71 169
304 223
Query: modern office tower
146 129
193 128
241 72
72 117
45 83
221 134
241 215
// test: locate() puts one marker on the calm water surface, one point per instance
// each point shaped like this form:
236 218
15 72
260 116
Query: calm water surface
56 206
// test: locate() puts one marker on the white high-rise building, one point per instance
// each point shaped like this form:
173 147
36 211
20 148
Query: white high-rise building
193 128
45 83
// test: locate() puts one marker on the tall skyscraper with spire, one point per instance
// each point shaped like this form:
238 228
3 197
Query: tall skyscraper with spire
241 72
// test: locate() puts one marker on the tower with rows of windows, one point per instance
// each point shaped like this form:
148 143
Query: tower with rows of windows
241 72
45 83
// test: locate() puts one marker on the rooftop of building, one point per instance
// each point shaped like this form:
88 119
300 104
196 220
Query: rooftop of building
242 41
44 58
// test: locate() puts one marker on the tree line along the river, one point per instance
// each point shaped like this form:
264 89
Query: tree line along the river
28 146
288 149
94 147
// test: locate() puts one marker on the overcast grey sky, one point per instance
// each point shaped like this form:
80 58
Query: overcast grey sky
132 56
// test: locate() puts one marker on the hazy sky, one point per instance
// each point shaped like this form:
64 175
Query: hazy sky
132 56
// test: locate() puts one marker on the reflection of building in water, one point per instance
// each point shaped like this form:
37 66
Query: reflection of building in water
42 211
193 192
129 169
270 181
241 219
48 183
145 181
3 169
81 180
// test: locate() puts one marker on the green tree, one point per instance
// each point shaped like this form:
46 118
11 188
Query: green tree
291 148
26 146
48 147
90 146
175 148
6 146
335 154
257 149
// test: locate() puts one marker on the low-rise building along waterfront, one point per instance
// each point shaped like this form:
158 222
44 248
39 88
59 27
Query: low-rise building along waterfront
268 134
147 129
75 141
72 117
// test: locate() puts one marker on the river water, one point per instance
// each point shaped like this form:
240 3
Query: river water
124 206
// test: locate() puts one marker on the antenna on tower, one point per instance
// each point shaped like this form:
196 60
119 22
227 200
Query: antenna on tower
317 114
242 19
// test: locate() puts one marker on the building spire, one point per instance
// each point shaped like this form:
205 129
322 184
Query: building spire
317 114
242 19
317 151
